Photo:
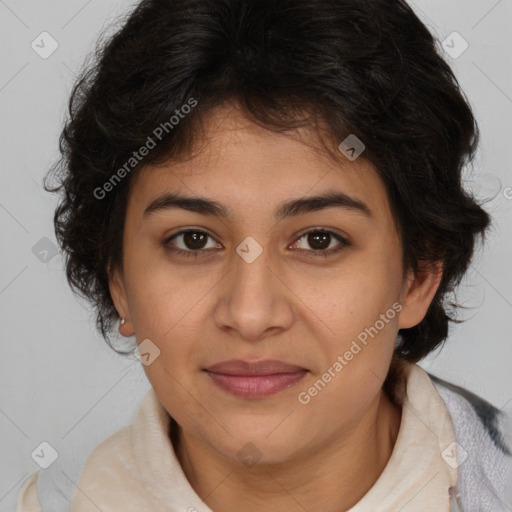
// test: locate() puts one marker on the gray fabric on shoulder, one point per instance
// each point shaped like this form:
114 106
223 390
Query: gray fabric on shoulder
484 449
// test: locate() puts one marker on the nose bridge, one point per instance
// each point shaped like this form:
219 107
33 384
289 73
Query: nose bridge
253 300
251 273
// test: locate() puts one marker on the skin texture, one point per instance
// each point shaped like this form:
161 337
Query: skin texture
285 305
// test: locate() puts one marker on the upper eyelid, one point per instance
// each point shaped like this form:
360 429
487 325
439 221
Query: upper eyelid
195 231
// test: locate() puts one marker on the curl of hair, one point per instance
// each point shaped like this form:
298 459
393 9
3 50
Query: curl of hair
363 67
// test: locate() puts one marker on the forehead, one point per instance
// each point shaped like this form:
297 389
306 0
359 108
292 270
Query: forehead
245 166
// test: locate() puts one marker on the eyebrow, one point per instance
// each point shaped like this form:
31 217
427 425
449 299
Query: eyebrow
286 209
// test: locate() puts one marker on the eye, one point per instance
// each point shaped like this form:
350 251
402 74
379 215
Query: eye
321 241
193 241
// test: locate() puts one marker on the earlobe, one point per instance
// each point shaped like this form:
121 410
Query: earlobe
119 298
419 292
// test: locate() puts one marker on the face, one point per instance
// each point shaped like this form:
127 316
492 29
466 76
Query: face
318 289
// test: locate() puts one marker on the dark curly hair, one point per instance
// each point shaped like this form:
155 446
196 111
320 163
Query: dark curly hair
363 67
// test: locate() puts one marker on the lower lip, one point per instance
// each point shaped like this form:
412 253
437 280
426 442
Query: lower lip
255 386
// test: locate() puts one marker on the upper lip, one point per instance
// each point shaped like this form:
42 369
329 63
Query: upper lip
265 367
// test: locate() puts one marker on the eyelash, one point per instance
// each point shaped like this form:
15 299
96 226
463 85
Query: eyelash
322 253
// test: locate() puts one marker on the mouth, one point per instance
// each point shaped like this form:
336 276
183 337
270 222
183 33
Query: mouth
255 379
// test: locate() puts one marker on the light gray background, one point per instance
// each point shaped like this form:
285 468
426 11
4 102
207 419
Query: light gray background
59 381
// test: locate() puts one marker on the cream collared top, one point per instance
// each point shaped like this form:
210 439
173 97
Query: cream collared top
136 469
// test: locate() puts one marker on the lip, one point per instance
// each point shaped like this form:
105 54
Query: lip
255 379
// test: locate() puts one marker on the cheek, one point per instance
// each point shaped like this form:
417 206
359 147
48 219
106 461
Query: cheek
352 297
360 307
164 297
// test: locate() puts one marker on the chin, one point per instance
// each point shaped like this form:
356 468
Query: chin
255 445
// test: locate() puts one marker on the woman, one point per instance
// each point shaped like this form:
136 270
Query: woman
267 195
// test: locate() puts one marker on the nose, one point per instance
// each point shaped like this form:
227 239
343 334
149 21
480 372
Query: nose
254 301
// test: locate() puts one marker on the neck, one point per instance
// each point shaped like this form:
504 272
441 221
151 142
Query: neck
329 478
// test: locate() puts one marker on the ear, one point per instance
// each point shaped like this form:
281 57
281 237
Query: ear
119 298
418 293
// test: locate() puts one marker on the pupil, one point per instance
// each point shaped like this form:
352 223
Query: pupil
196 239
319 238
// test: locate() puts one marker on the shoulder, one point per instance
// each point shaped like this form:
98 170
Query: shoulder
484 447
27 497
110 471
105 468
55 488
